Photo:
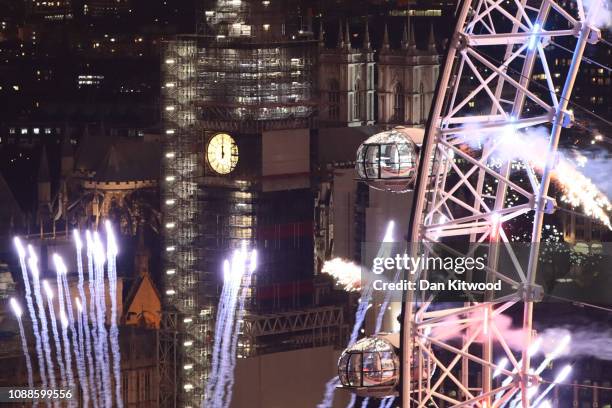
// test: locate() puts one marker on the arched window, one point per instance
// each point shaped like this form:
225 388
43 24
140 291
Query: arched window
423 118
399 103
334 99
357 101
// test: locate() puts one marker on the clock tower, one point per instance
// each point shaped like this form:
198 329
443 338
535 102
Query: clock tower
238 105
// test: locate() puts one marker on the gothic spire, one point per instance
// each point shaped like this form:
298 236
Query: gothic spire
340 35
321 35
385 43
431 43
367 45
405 35
347 36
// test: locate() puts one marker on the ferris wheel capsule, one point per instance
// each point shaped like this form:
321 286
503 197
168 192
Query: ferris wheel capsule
388 160
371 366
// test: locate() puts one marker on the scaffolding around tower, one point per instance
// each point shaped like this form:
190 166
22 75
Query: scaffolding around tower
250 69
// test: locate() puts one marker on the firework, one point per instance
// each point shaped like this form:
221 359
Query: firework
345 273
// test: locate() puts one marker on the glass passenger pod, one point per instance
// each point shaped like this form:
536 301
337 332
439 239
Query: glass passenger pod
371 367
388 161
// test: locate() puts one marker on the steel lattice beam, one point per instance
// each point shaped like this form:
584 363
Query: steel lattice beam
496 47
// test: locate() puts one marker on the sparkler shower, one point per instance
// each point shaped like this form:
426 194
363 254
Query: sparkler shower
578 190
353 275
82 323
237 275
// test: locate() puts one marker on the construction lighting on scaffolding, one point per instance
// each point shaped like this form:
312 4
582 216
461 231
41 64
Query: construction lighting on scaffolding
170 272
170 201
170 61
170 178
188 343
187 320
170 131
170 108
170 155
170 292
170 249
170 225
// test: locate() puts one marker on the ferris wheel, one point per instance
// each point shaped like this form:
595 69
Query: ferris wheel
488 157
496 48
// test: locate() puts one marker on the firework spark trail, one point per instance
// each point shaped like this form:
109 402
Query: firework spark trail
533 349
80 365
377 328
366 296
35 329
99 261
58 345
111 251
81 347
239 319
60 268
93 316
44 333
563 374
86 332
80 329
219 325
24 343
362 308
236 274
578 190
346 273
558 348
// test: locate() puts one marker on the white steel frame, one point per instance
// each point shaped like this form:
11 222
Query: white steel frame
515 33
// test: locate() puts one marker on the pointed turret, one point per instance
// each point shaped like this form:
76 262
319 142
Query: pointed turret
385 43
43 167
340 43
367 45
67 159
347 37
431 43
321 35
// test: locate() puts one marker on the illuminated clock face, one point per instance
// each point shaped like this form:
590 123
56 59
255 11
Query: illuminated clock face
222 153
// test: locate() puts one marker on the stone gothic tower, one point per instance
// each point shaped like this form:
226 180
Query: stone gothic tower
406 79
346 81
